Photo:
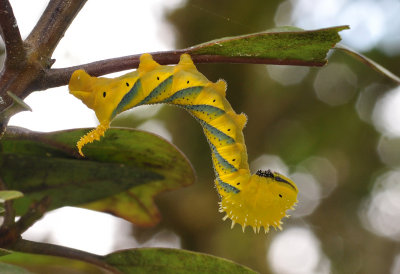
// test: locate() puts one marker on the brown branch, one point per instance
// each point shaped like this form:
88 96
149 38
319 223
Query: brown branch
39 45
15 53
61 251
52 25
60 77
9 235
9 214
35 212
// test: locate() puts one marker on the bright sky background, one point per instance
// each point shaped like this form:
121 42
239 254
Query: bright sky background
130 27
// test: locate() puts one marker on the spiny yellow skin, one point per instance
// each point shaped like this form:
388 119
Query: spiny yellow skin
266 202
93 135
259 200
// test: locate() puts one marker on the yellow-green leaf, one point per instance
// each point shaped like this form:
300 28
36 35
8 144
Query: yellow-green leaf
6 195
120 174
12 269
165 260
285 45
46 264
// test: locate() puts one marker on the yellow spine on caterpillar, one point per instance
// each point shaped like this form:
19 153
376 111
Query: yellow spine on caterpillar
258 200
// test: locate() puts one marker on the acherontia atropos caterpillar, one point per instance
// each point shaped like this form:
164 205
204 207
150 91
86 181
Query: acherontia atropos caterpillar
258 200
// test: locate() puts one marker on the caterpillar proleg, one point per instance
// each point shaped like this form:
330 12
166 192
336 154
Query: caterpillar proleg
258 200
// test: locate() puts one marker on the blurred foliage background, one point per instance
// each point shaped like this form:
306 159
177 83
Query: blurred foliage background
334 130
328 128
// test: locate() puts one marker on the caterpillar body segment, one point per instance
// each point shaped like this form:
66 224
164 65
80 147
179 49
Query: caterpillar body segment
258 200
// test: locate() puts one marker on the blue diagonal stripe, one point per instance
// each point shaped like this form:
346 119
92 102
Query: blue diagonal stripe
207 109
224 163
216 132
181 94
227 187
127 98
157 91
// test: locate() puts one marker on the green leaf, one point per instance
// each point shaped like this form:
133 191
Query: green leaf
12 269
47 264
17 106
121 174
165 260
6 195
285 45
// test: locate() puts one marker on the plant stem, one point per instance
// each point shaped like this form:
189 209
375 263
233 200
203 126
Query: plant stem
15 52
9 214
52 25
12 233
34 213
59 77
36 52
61 251
364 59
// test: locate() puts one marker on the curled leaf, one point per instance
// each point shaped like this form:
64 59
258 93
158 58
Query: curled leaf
121 174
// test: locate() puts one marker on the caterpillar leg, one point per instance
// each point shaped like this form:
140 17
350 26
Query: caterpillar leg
91 136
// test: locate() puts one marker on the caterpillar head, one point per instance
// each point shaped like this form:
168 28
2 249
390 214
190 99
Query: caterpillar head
261 201
99 94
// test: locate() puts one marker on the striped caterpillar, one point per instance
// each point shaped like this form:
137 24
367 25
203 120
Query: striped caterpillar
258 200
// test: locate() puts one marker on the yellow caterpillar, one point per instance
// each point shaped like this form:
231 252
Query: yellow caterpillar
258 200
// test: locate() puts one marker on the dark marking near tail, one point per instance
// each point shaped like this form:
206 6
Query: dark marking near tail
281 180
267 173
270 174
